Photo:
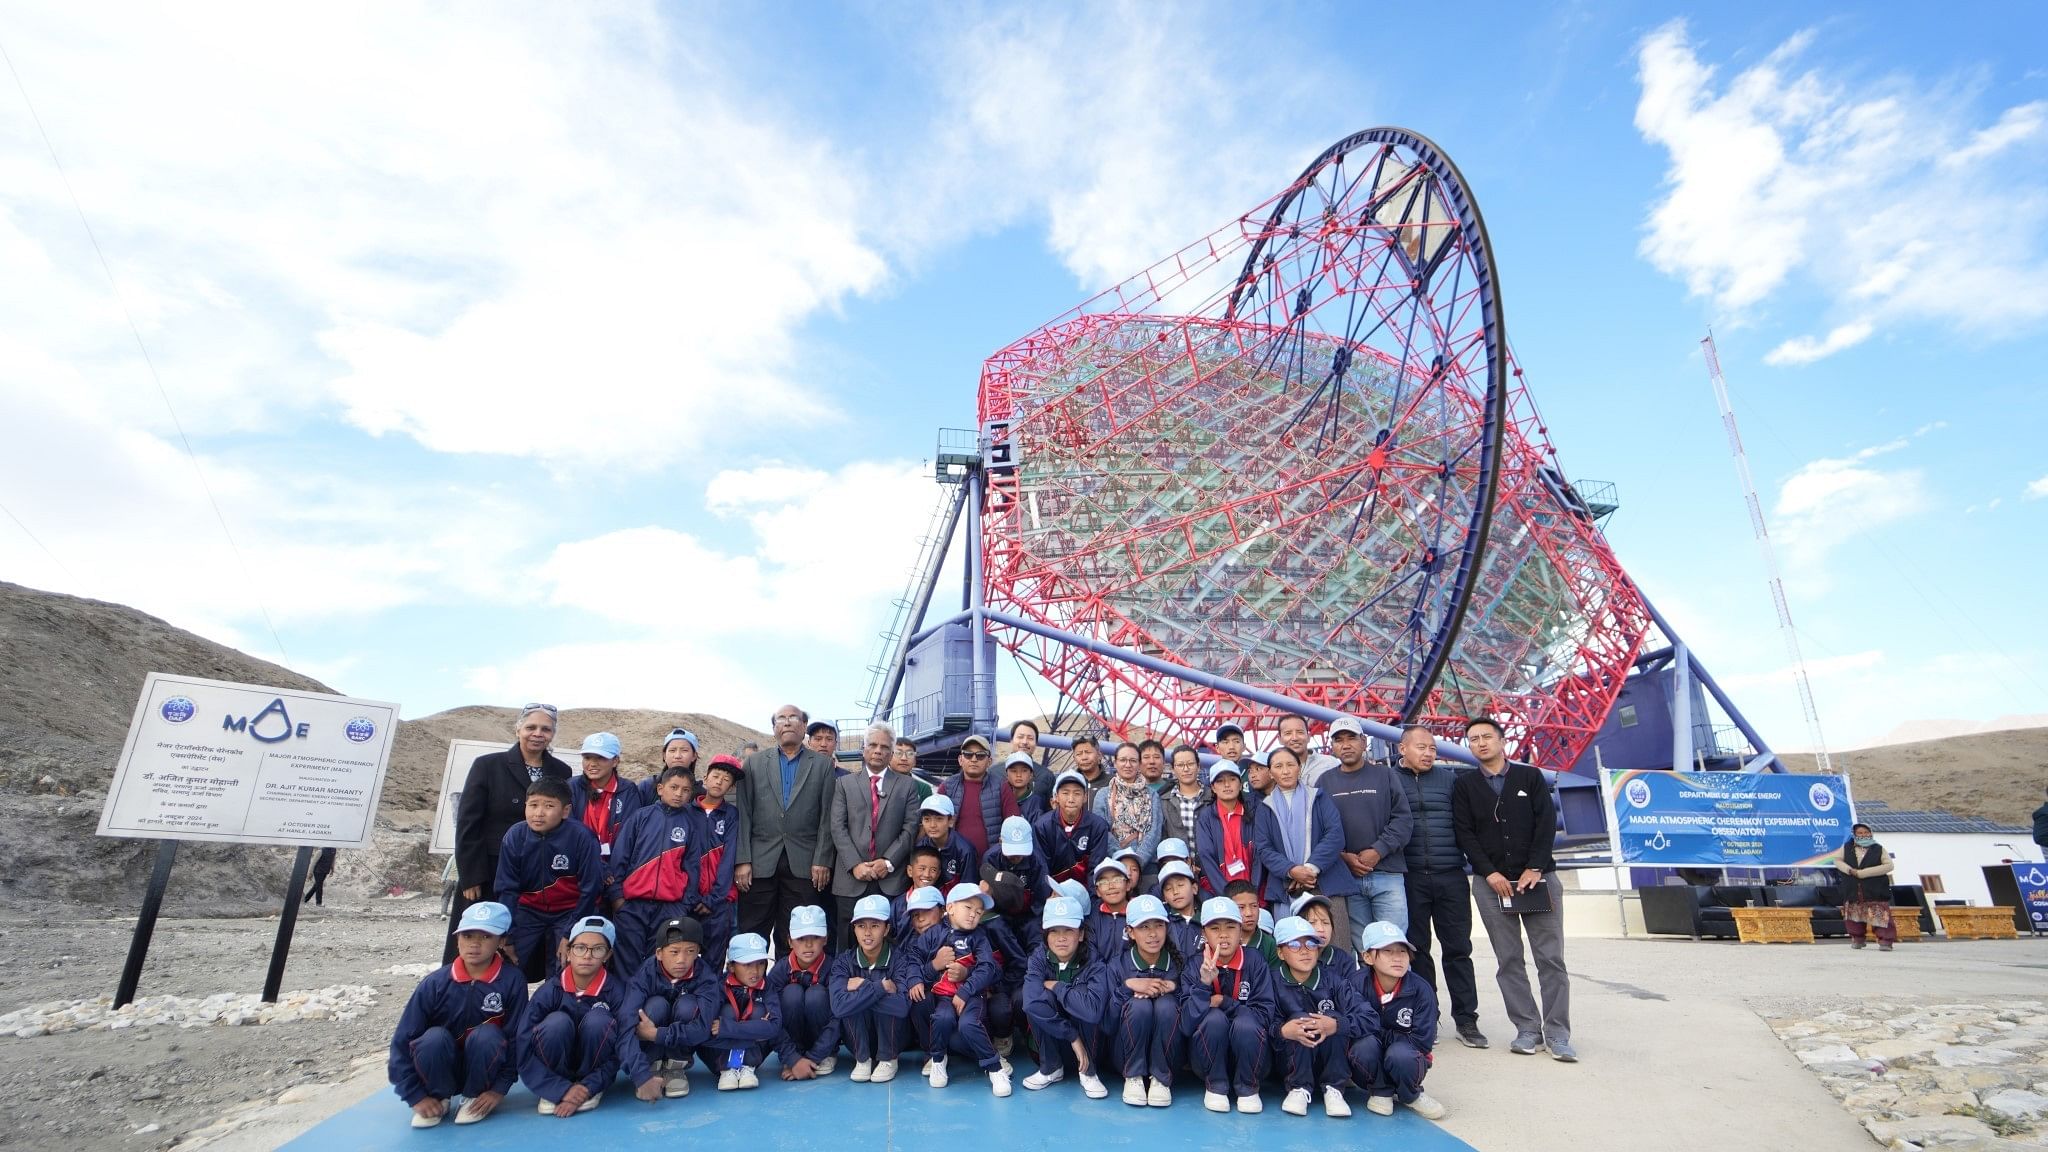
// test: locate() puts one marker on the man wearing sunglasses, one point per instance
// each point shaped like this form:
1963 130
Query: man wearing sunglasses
977 801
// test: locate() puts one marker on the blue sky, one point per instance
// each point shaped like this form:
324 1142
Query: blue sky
592 354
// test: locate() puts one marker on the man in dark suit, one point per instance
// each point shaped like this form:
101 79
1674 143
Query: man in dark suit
874 826
785 849
493 800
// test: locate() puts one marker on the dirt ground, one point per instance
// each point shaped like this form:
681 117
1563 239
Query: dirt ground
94 1090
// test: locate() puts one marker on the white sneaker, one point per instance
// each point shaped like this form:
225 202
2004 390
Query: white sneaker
999 1082
1093 1086
825 1066
1215 1101
545 1108
1380 1105
885 1071
728 1080
1334 1103
1250 1104
1134 1091
863 1070
939 1077
1044 1079
593 1102
677 1085
1427 1106
470 1113
748 1078
1160 1096
926 1071
1296 1103
419 1121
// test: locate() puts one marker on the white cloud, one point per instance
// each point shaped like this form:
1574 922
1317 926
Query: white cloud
2038 490
1882 195
1823 669
1831 501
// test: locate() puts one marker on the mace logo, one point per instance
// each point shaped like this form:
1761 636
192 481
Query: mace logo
360 729
1637 793
1821 797
254 726
676 835
178 709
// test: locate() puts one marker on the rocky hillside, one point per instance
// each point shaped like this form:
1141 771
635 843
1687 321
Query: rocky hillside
1995 775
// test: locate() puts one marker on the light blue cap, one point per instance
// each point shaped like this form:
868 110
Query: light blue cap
1307 900
1016 836
806 920
1172 848
601 744
1019 758
1224 765
1061 912
1265 921
1069 777
1294 928
1175 868
1072 889
1220 908
684 734
965 891
597 924
486 916
922 898
746 948
937 802
871 908
1382 934
1144 910
1263 759
1109 864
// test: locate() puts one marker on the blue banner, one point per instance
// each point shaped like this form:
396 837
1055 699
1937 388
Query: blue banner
2033 882
1726 819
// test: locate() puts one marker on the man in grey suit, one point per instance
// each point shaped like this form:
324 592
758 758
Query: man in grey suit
785 848
874 826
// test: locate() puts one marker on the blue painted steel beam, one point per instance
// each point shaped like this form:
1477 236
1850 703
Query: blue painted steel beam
928 585
1765 757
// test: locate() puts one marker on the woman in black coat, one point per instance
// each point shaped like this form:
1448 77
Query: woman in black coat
493 800
1866 870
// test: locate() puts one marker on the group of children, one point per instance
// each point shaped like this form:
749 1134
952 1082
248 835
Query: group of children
1130 975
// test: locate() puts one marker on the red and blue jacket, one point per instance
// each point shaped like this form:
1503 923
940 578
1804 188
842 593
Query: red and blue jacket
746 1016
1326 992
1080 990
1071 853
560 995
970 949
1409 1011
655 857
449 998
786 972
720 833
1246 985
692 1005
625 801
559 874
870 996
1209 853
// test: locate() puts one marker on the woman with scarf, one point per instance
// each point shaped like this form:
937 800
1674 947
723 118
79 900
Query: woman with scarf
1132 809
1302 844
1867 889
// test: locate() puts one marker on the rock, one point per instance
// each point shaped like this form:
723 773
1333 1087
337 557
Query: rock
1929 1129
30 1032
1901 1050
1829 1054
1934 1103
146 1129
143 1094
2017 1103
1968 1056
298 1095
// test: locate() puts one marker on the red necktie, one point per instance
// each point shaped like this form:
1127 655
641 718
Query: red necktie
874 810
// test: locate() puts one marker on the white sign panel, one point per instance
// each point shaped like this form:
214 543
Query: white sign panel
461 754
208 760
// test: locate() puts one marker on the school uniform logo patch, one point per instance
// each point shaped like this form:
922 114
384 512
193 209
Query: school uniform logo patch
1082 843
493 1003
1325 1007
676 835
1405 1018
718 829
561 863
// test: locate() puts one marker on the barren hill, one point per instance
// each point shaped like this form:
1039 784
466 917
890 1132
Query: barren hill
1996 775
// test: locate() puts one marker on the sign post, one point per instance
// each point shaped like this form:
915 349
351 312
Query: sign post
1725 819
242 764
2033 884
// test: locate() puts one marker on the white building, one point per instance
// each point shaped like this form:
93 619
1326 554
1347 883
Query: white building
1944 853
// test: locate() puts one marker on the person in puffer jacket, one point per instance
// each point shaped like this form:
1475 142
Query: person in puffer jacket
1439 897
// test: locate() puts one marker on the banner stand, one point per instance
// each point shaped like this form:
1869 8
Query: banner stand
145 922
288 920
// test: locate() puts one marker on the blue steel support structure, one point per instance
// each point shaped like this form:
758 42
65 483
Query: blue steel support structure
1685 665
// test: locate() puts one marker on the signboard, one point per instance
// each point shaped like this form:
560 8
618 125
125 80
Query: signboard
461 754
241 764
1725 819
2033 882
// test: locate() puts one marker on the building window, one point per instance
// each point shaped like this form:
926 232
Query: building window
1932 885
1627 715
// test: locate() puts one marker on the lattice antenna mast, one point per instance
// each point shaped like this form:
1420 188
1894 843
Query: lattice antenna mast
1763 541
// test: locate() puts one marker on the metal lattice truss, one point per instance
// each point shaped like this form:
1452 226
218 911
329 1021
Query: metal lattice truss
1279 457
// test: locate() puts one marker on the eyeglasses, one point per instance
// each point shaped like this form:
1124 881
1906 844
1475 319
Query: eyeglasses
588 949
974 755
550 709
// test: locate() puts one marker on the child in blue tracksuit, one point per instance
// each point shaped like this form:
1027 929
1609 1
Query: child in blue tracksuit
654 867
1317 1016
1342 962
1142 1010
1105 922
1183 908
1071 839
678 750
935 827
1170 849
1226 1006
947 971
550 871
800 983
1391 1062
716 902
455 1036
866 1001
670 1004
749 1020
598 798
1020 777
1064 995
914 912
1227 833
569 1034
1016 854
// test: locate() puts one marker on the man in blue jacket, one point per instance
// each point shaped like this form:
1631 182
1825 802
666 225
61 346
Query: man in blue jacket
1377 824
1438 900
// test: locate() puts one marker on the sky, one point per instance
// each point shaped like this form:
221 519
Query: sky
596 353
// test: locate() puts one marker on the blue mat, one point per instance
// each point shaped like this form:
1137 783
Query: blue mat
836 1113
